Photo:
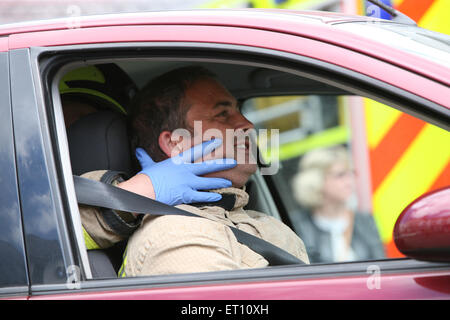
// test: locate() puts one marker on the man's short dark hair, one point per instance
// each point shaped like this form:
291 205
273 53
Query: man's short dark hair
160 106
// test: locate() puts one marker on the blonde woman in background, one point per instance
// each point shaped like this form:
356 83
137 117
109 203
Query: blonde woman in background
328 223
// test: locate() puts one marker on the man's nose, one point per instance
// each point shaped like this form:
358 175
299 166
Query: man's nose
243 123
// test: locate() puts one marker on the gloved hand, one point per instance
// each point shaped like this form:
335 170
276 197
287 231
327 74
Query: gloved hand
176 180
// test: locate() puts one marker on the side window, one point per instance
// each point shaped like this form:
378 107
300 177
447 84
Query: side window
331 141
12 253
348 167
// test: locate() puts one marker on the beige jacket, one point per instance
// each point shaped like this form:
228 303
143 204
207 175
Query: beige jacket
179 244
98 224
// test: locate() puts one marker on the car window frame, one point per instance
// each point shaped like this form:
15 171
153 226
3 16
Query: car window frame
10 209
220 53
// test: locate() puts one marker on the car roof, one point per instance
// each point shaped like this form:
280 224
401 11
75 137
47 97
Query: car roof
230 17
317 25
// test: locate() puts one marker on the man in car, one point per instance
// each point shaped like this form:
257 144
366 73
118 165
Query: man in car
178 244
87 90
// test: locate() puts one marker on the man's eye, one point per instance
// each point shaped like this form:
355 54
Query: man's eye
222 114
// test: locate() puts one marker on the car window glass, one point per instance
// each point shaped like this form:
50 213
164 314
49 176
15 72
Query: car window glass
347 167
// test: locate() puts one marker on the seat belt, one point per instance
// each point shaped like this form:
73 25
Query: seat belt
100 194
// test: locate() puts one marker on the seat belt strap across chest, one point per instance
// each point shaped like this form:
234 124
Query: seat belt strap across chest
99 194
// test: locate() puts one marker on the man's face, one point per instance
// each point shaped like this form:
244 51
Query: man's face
213 111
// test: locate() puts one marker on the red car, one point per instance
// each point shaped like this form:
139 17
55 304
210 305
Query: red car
316 57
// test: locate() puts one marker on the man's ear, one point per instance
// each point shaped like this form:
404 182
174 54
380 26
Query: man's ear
169 145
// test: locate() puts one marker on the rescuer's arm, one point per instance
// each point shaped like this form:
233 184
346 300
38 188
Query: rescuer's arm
172 181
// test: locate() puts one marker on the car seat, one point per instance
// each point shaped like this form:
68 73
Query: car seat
99 141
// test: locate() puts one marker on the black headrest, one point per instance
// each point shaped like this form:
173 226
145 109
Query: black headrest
99 141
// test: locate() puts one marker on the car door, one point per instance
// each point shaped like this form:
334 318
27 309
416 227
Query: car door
40 129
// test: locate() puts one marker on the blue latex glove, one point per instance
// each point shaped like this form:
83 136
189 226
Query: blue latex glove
176 180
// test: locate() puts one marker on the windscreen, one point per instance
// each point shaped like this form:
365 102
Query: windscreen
431 45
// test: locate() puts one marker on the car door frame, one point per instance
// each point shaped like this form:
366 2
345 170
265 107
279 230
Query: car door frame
14 276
